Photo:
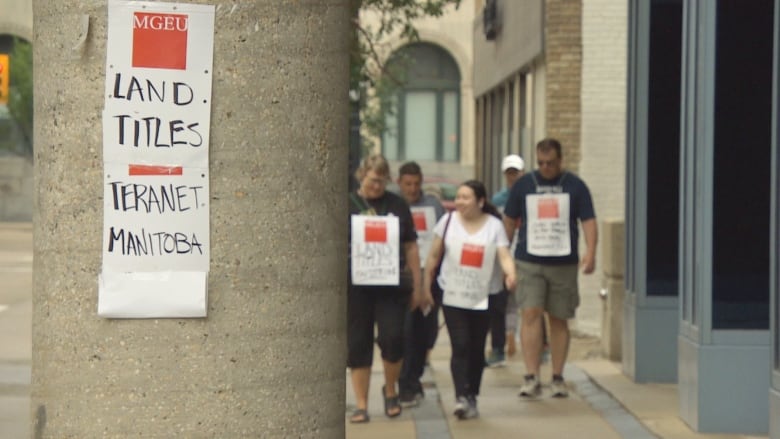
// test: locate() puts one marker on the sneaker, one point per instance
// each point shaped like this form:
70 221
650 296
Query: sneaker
410 398
531 387
461 407
559 389
495 359
471 411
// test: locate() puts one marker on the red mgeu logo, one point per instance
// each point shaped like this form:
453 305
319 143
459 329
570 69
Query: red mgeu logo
160 40
420 224
375 231
548 208
472 255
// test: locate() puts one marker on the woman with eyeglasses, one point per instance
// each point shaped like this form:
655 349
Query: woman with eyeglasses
383 283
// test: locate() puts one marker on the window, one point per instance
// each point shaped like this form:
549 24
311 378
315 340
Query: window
742 165
424 124
663 147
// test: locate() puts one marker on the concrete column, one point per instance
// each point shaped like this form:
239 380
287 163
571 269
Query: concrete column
269 359
613 265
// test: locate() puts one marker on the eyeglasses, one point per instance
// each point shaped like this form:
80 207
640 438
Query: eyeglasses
546 162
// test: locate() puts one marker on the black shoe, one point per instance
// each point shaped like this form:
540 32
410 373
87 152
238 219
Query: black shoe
410 398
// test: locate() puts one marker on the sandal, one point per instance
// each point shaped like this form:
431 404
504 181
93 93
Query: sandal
391 403
359 416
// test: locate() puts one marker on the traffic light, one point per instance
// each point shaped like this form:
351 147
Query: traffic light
4 78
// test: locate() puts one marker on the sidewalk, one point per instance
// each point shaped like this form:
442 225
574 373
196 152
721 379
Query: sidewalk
15 328
603 404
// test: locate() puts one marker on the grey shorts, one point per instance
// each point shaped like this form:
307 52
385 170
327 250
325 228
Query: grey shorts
550 287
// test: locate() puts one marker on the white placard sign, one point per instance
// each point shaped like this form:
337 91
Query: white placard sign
468 270
375 251
548 224
424 219
156 123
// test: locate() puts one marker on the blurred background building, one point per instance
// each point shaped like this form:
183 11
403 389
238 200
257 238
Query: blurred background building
16 175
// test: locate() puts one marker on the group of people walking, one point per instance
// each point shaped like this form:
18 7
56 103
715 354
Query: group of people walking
408 258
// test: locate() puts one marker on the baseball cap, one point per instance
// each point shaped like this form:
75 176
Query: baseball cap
512 161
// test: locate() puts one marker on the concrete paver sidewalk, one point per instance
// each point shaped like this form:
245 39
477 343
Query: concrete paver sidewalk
603 403
502 412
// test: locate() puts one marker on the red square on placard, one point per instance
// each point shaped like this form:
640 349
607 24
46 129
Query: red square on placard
548 208
419 221
375 231
160 40
472 255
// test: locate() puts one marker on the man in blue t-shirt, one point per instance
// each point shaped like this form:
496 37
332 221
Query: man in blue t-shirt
549 203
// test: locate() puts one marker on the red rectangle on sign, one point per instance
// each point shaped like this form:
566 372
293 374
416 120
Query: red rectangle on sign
154 170
160 40
375 231
548 208
420 224
472 255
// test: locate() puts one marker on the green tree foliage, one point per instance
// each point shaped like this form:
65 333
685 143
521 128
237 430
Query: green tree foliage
369 68
20 96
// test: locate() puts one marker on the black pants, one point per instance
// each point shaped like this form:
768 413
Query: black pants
419 335
497 310
368 305
468 330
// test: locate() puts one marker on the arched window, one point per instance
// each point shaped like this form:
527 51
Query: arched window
424 124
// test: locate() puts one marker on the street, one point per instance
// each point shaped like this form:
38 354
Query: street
15 328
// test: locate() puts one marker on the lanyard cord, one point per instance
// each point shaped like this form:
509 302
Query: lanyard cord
364 207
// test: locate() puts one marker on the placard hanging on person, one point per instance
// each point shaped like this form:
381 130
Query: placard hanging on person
548 224
424 219
375 250
467 270
156 123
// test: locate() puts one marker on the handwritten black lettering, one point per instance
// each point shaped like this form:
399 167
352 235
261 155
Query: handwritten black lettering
152 131
155 132
145 243
154 198
146 90
369 255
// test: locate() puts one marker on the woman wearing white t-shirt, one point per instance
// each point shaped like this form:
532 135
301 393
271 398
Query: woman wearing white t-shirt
469 242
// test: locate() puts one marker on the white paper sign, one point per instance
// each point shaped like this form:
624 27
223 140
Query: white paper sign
158 83
156 123
424 220
375 250
141 295
548 224
467 270
155 223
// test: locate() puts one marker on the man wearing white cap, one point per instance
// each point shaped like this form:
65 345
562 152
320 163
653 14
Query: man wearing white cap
503 306
513 168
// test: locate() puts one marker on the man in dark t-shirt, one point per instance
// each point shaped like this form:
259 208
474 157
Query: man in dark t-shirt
549 203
